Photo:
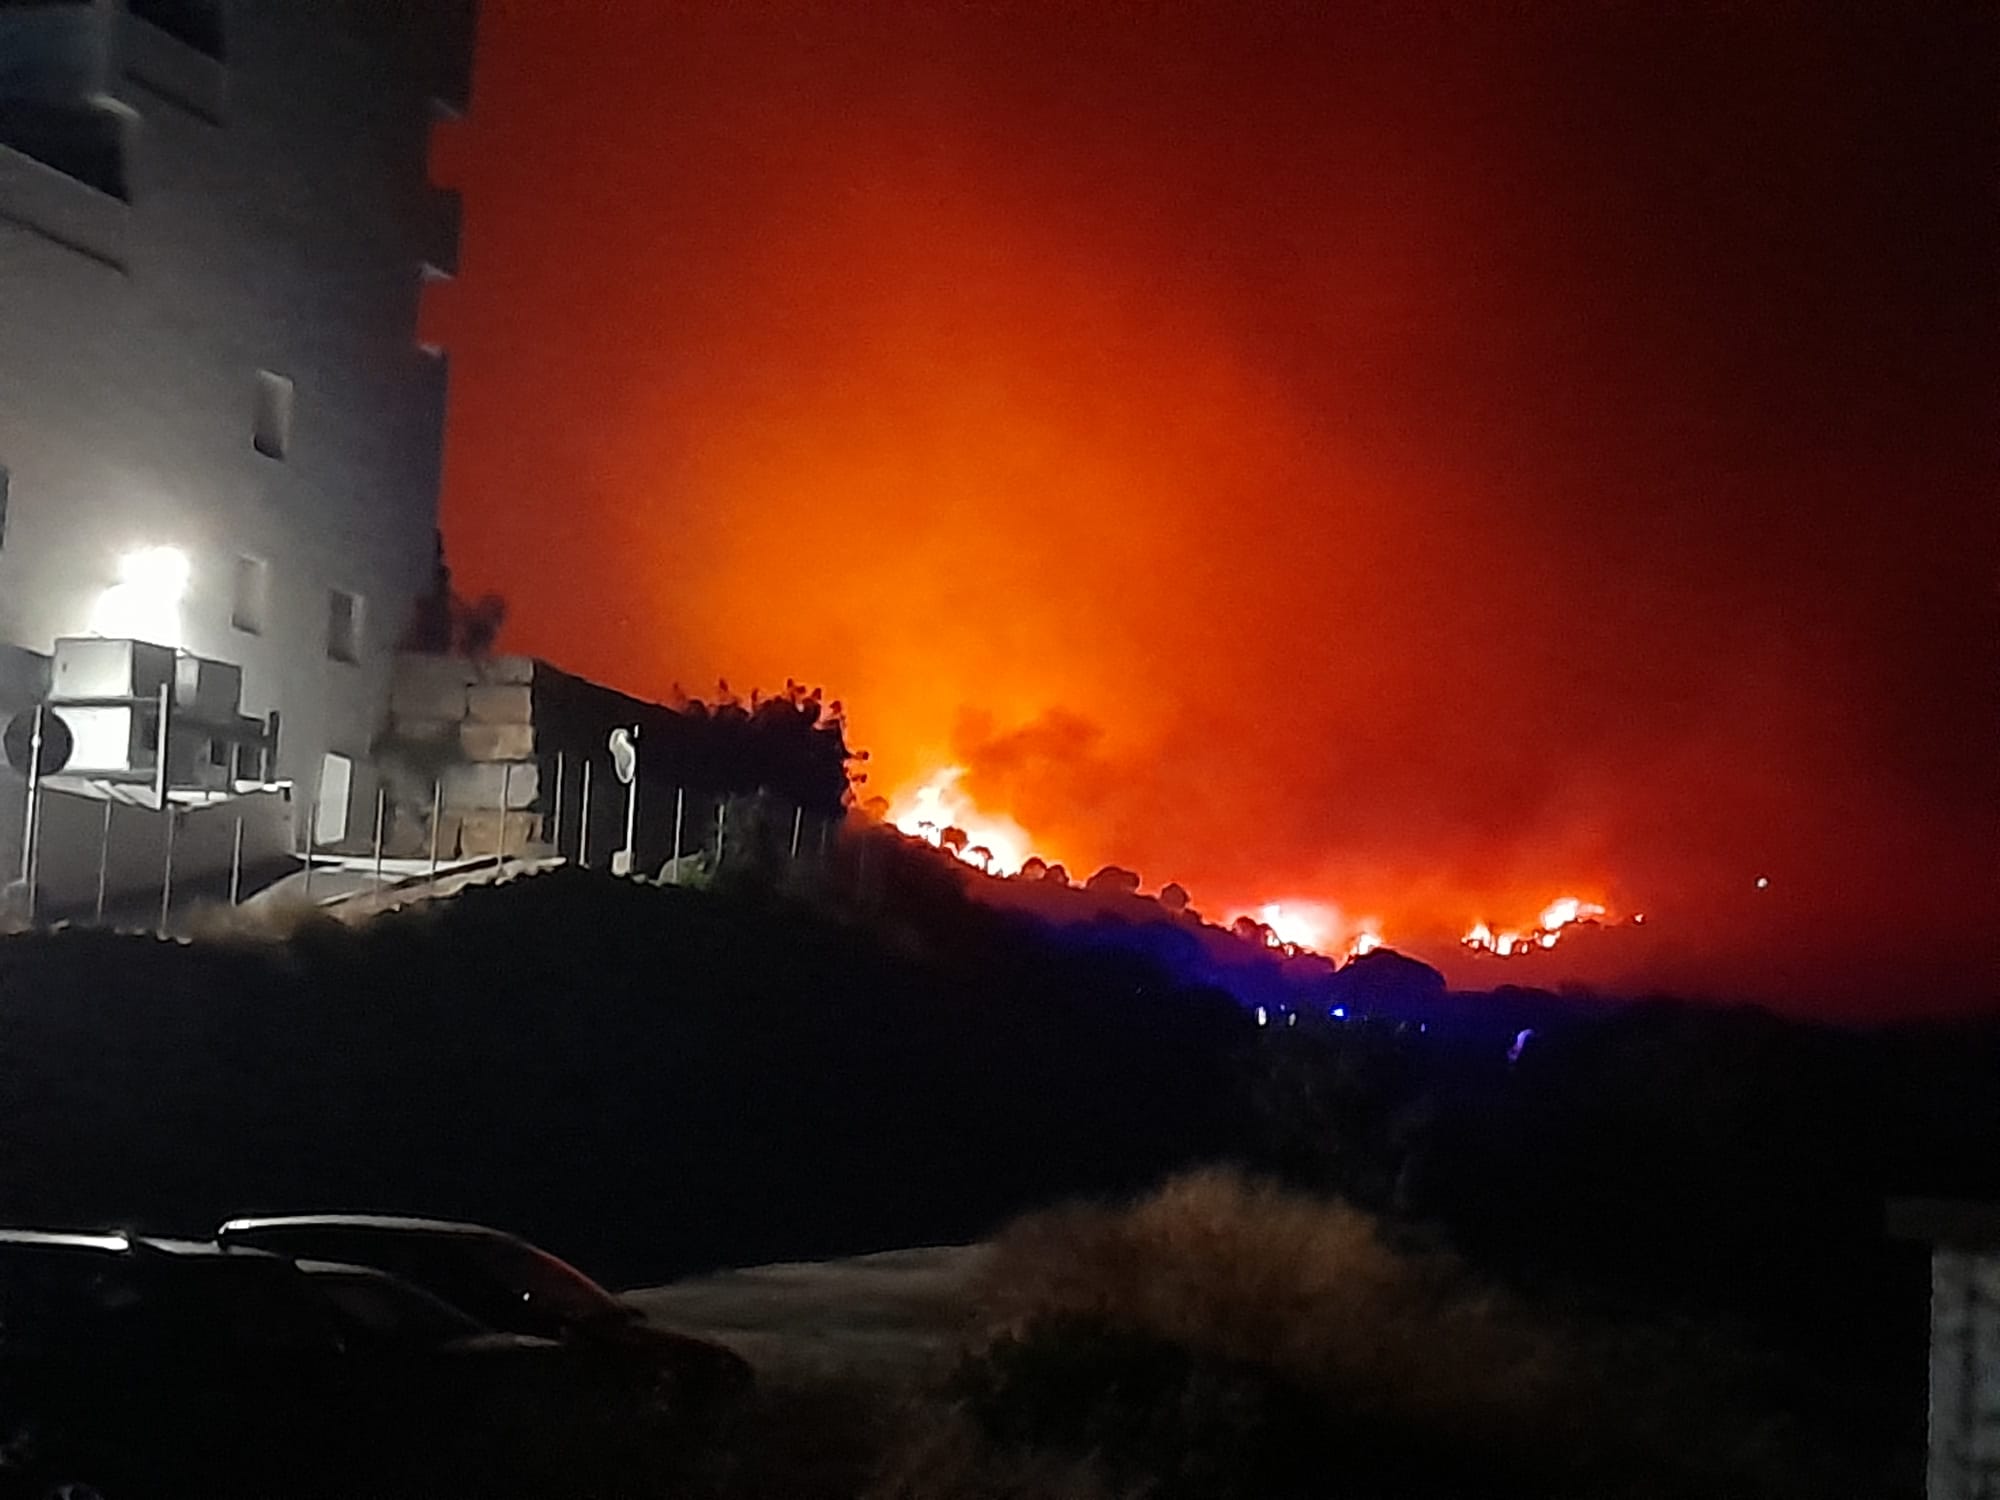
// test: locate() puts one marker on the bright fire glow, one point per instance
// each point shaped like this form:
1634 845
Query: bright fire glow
1301 926
938 810
145 603
1566 911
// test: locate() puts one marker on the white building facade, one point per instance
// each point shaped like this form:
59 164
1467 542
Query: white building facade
219 431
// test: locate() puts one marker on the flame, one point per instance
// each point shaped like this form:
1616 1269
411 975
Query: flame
940 812
993 842
1565 911
1300 926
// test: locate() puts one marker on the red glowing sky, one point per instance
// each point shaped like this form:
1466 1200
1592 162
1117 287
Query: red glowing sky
1430 465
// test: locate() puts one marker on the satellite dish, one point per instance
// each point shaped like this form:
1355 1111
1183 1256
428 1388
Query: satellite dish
58 744
624 753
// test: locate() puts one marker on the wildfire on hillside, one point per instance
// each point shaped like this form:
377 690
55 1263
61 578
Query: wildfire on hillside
939 811
1515 942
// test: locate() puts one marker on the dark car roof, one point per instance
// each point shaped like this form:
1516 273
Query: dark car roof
104 1242
383 1223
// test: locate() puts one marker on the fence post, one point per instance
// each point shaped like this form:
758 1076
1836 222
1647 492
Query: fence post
674 859
583 819
236 863
31 813
555 818
103 857
381 812
167 869
437 817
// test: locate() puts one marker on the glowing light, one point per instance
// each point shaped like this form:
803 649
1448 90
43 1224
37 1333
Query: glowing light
145 603
1558 915
1263 1019
1365 942
1567 910
1763 882
1301 927
938 811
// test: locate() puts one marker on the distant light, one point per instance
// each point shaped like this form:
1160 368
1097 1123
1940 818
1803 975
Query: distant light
1262 1018
1638 919
145 603
1339 1013
1292 1019
1763 882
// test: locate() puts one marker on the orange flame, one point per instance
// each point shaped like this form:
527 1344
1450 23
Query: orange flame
1565 911
940 812
937 806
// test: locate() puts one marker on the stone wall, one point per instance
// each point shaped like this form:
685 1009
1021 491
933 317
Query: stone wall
462 738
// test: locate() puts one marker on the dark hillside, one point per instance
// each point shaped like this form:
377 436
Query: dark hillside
651 1080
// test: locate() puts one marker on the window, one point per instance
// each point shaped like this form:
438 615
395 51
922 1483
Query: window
343 625
82 138
197 23
272 435
251 598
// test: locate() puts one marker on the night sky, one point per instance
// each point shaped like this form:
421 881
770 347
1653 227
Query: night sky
1429 461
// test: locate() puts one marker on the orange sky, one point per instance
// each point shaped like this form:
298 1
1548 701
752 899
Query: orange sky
1430 467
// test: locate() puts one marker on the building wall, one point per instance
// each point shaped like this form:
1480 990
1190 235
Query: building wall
1965 1375
275 217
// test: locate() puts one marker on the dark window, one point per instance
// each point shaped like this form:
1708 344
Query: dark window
79 139
251 597
343 625
272 433
195 22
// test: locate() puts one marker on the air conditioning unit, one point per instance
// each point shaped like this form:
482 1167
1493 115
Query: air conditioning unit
91 667
211 691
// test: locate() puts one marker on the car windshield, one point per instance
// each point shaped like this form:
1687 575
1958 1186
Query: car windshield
546 1290
383 1310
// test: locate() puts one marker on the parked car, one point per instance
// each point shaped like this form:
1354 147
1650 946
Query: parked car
516 1287
136 1366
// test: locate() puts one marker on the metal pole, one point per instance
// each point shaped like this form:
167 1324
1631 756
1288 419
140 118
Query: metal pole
437 817
167 869
583 820
632 812
680 806
33 806
798 818
506 806
160 786
381 812
103 856
312 821
236 864
721 829
555 818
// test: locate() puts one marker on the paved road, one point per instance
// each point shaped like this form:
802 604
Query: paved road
882 1318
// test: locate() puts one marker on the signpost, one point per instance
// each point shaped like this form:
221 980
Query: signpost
625 762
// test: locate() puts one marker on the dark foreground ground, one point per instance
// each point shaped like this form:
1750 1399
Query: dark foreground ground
656 1083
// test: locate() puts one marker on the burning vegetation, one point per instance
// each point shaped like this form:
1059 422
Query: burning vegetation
942 813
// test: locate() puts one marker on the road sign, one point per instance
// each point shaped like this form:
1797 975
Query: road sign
58 744
624 753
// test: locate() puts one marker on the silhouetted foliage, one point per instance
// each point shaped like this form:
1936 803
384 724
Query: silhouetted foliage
445 623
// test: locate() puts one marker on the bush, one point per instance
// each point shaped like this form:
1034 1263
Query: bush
1224 1337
